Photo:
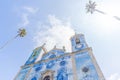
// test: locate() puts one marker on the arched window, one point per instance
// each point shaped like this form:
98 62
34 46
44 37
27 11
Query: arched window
47 75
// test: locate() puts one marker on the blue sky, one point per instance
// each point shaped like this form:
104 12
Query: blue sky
44 20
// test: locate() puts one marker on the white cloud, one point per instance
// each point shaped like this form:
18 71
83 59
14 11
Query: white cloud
115 76
58 33
30 9
26 13
25 20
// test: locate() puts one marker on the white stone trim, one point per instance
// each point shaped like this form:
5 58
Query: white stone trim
75 77
100 74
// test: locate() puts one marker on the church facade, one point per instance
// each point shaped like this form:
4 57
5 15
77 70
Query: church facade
57 64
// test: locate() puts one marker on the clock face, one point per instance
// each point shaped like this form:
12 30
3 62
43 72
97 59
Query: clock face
79 46
33 56
35 53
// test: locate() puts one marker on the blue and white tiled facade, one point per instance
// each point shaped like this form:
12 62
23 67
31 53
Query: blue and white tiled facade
56 64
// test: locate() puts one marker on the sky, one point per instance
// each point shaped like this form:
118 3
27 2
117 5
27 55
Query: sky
53 22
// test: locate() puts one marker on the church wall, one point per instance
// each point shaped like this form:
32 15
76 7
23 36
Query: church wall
22 74
58 68
85 67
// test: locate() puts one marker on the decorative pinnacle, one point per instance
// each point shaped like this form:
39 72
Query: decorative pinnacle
55 47
64 48
44 49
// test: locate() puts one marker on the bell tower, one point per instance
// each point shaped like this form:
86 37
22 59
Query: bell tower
78 42
85 63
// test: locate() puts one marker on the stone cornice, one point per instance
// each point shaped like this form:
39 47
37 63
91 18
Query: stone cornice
66 54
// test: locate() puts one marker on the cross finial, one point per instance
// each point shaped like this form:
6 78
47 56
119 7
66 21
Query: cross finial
55 47
75 31
64 48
